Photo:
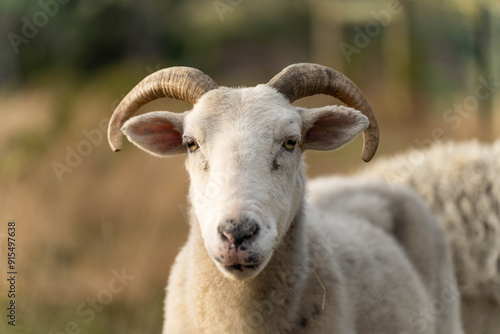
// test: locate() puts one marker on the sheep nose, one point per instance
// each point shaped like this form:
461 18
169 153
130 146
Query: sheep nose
236 232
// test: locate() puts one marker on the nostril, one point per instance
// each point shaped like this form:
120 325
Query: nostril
253 229
226 236
236 234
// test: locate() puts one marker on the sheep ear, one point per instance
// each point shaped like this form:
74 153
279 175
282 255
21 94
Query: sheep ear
158 133
331 127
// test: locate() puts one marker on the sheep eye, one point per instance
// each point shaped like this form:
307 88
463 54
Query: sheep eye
289 144
192 145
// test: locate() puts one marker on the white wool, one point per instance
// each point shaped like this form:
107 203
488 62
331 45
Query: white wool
461 184
374 248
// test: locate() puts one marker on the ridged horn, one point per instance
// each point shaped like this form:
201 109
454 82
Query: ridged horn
181 83
301 80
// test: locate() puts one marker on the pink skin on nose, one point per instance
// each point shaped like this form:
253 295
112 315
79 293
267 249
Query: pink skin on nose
229 255
237 256
236 248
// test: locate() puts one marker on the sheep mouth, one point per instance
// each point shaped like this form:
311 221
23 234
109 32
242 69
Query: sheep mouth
244 264
242 267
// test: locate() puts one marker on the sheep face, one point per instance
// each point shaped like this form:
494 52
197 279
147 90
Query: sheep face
244 160
245 174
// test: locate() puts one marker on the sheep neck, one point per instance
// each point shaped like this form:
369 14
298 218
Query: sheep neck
253 304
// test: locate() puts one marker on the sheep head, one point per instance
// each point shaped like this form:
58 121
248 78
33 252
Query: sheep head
243 151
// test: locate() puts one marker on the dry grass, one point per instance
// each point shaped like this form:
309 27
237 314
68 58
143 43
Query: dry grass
111 212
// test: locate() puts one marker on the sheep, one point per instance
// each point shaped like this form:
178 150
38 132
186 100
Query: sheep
259 258
461 184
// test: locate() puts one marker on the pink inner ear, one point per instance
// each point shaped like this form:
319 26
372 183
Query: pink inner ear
326 128
149 129
164 136
160 137
163 127
168 140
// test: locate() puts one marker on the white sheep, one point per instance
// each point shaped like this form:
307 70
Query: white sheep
461 184
258 258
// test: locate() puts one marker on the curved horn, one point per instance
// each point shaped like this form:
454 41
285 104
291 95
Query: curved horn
301 80
181 83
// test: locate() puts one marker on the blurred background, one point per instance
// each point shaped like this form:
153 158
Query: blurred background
98 231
